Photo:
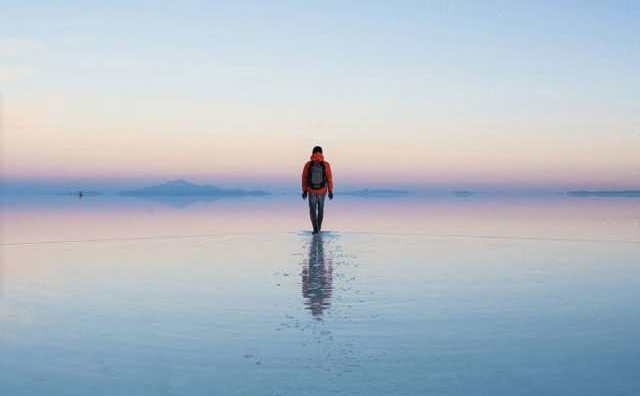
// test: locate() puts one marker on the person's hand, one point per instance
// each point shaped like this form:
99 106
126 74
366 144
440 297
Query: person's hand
304 195
330 194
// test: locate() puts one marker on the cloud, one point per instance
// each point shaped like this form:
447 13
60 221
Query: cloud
15 72
17 47
16 54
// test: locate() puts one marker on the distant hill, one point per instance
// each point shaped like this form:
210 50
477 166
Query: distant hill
605 193
82 193
376 193
464 193
182 188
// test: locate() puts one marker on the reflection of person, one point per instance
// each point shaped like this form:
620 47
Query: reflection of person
317 279
316 181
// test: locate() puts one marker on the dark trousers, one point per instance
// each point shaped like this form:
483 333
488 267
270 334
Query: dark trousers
316 209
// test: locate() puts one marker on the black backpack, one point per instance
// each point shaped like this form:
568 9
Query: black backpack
317 177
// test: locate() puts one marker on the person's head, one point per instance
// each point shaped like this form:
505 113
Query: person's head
317 149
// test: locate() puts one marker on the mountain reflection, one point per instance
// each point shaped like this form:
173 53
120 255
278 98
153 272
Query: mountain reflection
317 279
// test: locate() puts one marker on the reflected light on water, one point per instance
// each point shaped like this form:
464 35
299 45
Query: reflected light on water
229 296
60 219
317 278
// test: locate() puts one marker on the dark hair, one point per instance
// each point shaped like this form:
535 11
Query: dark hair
317 149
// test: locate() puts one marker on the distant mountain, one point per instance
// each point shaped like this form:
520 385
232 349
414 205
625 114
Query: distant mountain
181 188
464 193
82 193
605 193
376 193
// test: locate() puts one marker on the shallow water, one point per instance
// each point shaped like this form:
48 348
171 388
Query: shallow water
405 296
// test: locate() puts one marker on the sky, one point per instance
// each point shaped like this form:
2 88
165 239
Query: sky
426 95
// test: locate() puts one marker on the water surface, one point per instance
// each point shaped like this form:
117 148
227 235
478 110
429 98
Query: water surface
406 296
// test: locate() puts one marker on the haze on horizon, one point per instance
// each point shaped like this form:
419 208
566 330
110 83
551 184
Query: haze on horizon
429 95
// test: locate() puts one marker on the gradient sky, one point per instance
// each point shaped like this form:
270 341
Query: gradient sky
427 94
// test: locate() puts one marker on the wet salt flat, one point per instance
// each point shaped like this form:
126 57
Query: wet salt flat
404 296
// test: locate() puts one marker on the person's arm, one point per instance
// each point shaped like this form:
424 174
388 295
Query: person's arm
305 178
329 178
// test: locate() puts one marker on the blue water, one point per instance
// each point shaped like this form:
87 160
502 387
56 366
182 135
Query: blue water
398 297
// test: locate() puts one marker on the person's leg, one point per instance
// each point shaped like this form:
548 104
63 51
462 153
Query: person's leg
313 207
320 210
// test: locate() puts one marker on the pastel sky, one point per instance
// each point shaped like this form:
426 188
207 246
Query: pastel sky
544 95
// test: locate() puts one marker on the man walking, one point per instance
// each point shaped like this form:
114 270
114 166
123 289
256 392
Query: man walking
316 181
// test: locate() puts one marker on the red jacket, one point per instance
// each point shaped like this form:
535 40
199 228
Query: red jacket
305 175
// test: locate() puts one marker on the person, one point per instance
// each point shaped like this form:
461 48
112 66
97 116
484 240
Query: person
317 180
